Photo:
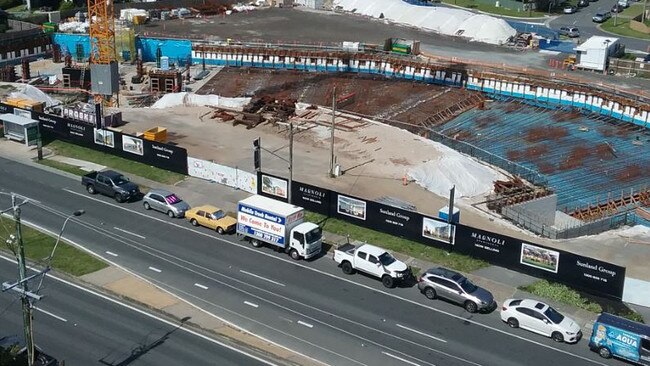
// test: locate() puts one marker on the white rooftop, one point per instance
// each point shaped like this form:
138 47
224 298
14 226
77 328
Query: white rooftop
19 120
596 42
271 205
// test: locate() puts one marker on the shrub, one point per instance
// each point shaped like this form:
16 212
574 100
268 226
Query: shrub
561 293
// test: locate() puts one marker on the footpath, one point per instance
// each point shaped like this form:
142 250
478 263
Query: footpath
503 283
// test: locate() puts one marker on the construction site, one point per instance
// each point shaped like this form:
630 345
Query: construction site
591 166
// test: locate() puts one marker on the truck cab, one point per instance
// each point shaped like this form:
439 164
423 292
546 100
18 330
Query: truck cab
306 239
374 261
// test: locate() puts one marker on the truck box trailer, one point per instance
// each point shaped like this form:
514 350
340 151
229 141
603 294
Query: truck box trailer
263 220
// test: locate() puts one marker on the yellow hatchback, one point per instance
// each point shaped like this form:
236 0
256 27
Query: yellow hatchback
211 217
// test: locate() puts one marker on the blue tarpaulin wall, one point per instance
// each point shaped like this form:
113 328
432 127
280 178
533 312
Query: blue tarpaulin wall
68 43
179 51
558 46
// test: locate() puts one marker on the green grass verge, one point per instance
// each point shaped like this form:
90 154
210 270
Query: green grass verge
393 243
491 9
62 166
66 259
561 293
633 11
622 28
115 162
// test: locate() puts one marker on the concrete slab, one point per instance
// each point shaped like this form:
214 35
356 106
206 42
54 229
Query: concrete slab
105 276
142 292
83 165
636 292
182 310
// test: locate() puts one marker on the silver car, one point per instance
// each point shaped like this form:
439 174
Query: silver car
165 201
453 286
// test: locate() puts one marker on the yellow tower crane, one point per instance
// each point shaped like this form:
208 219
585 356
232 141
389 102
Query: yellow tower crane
103 64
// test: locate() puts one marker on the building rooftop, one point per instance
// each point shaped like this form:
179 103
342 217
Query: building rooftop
596 42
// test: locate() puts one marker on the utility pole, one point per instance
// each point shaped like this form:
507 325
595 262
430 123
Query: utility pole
26 302
290 160
332 132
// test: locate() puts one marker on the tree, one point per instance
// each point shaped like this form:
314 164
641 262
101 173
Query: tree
9 357
66 5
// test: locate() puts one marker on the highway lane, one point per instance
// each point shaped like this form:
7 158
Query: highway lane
358 323
85 329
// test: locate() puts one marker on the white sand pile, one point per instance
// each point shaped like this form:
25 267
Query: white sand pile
195 100
447 21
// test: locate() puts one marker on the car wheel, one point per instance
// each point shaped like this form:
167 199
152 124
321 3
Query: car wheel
294 255
347 268
220 230
388 281
558 337
91 189
147 206
513 323
604 352
194 222
256 243
118 198
471 306
170 213
430 293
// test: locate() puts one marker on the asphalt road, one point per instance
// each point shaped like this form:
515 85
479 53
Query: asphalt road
85 329
582 20
310 306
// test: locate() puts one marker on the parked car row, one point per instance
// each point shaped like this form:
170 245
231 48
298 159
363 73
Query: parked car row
262 220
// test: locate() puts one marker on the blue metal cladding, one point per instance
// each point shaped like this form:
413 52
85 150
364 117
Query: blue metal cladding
69 43
179 51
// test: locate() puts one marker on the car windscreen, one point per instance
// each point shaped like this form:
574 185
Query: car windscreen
467 286
173 199
120 179
218 214
386 259
554 315
314 235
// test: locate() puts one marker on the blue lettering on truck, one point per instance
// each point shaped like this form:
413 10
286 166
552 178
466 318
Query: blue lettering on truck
261 214
619 342
270 238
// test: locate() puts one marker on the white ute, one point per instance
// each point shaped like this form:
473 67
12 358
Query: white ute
373 261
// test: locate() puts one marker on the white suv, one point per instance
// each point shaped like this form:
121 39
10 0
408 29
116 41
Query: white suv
540 318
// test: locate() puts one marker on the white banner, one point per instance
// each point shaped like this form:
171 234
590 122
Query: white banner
231 177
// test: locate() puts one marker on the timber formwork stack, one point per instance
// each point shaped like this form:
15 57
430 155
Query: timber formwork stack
161 81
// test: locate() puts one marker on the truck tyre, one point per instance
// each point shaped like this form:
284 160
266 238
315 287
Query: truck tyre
347 268
430 293
119 198
388 281
194 222
256 243
294 255
220 230
147 206
604 352
91 189
170 213
471 306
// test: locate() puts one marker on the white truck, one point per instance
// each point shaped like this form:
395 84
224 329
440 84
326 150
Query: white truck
263 220
374 261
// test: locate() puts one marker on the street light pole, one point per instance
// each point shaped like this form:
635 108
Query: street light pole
290 160
332 132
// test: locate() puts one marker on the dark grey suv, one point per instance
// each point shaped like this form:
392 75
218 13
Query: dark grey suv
453 286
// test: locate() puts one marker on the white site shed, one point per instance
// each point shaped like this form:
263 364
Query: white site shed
20 128
595 52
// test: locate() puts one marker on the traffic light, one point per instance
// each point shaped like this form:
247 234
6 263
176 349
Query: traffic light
257 154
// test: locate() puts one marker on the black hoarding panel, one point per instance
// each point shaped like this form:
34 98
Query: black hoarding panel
165 156
272 186
4 108
393 220
486 245
311 198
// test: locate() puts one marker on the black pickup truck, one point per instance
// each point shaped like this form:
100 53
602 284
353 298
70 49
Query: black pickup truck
112 184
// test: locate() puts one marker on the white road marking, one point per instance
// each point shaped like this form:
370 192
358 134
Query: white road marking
251 304
155 269
291 262
50 314
142 312
421 333
399 358
305 324
111 253
129 232
201 286
261 278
